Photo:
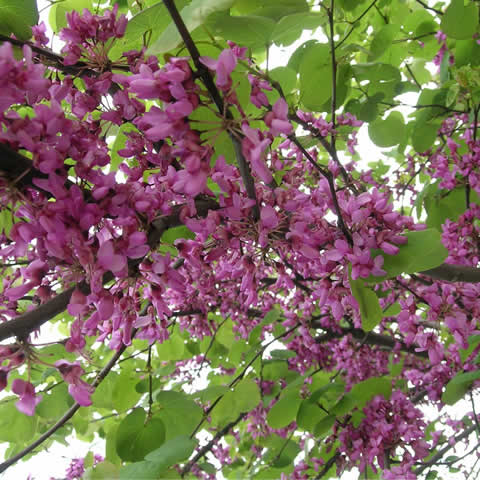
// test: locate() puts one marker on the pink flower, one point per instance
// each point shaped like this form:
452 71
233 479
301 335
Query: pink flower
28 401
277 119
268 217
78 388
224 66
253 147
109 260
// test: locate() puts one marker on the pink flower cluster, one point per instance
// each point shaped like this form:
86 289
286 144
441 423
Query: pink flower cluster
389 426
94 219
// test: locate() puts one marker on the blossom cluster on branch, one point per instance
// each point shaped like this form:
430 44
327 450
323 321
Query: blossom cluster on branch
93 217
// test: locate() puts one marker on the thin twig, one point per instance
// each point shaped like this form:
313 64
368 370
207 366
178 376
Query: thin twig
355 22
412 75
475 414
242 374
150 383
434 459
334 72
330 462
204 450
427 7
68 414
371 338
326 174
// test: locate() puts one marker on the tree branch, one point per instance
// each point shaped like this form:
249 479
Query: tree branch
454 273
334 70
427 7
205 449
352 28
330 462
371 338
207 79
434 459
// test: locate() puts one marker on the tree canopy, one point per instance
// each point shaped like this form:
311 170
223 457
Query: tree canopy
229 289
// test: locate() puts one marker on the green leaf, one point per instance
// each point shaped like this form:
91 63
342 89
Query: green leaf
280 452
247 395
141 470
289 28
362 393
124 394
376 72
286 77
459 20
444 204
226 410
174 233
211 393
284 411
458 386
388 132
315 76
270 318
392 310
276 10
308 415
6 221
54 404
424 135
382 41
150 22
370 309
135 438
102 397
424 250
179 413
17 16
119 144
324 425
250 31
244 398
193 15
172 452
16 427
350 5
473 342
102 471
171 349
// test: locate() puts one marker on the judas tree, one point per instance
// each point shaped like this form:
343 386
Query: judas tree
198 267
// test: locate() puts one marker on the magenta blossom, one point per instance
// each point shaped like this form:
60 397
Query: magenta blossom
26 391
224 66
78 388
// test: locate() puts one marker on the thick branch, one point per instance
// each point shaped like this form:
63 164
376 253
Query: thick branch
370 338
454 273
17 168
24 324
